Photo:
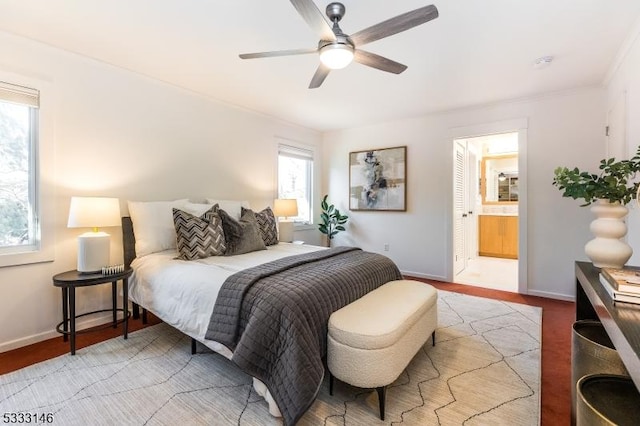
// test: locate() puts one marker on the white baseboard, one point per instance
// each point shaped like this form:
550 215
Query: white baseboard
550 295
35 338
426 276
547 294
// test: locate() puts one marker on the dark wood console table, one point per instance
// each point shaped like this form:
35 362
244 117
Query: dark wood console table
620 320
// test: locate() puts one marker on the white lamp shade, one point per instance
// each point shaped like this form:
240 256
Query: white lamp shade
94 212
285 207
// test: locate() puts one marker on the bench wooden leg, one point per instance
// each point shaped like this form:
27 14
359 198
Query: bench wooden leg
382 393
193 346
330 383
433 338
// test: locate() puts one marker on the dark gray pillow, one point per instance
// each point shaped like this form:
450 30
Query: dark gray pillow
241 236
267 225
198 237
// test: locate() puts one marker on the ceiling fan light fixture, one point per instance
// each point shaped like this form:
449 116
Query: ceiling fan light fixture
337 49
336 56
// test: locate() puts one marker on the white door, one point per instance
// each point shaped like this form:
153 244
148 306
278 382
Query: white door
459 208
473 189
616 129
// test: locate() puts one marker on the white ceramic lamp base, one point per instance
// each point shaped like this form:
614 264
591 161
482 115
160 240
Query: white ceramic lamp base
285 231
93 251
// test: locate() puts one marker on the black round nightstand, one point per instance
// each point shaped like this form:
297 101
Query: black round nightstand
68 281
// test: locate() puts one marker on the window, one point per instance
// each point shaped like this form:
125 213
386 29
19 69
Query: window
19 220
295 171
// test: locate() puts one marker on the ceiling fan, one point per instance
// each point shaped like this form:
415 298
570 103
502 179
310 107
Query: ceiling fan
338 49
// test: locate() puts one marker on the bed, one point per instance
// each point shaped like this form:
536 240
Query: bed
191 296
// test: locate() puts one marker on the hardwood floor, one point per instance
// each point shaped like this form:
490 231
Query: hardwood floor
41 351
557 318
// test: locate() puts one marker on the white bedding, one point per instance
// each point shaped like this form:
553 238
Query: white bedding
183 293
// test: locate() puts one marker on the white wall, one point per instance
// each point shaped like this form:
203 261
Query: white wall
625 81
564 129
120 134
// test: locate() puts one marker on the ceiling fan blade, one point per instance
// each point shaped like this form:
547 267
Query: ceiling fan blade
278 53
321 73
380 62
395 25
314 18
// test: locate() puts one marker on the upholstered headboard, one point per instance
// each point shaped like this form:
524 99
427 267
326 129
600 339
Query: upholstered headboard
128 241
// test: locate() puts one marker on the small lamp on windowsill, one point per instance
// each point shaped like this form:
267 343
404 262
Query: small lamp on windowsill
94 246
285 208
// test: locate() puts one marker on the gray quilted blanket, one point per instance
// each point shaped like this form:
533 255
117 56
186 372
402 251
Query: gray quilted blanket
274 317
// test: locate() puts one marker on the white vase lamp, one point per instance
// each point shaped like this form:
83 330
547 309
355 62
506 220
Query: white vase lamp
286 209
94 246
607 250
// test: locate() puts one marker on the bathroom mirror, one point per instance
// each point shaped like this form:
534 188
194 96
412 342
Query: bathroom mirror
500 179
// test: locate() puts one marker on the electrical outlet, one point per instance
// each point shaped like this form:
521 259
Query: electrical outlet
386 246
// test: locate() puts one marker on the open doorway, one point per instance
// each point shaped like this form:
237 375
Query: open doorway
486 210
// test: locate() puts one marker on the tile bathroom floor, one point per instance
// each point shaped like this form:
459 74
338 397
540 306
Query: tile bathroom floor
490 272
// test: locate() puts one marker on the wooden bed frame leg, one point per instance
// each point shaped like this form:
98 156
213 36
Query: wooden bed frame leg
145 319
136 310
193 346
382 393
330 383
433 338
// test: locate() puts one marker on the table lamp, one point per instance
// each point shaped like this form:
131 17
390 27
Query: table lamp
285 208
94 246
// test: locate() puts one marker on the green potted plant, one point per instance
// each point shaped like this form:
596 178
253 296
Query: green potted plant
609 191
612 183
332 221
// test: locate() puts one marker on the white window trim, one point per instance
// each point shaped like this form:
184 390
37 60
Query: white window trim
280 141
44 175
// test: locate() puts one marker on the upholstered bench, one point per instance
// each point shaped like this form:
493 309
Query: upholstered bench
372 340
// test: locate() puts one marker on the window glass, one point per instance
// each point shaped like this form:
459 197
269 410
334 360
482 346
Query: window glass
19 231
295 171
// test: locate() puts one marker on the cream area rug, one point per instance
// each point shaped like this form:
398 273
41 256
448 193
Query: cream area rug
484 370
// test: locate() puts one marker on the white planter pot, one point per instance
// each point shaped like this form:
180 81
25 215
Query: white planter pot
607 249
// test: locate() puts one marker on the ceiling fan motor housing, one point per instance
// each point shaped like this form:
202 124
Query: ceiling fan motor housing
335 11
341 39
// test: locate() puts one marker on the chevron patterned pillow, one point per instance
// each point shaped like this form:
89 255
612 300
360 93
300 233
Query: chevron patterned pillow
267 224
199 237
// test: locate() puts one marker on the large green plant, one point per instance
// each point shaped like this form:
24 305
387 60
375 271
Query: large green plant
612 183
332 220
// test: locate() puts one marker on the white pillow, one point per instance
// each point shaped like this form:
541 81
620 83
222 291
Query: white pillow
230 206
195 209
153 225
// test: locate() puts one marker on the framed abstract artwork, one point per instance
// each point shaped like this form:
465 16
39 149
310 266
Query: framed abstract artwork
378 179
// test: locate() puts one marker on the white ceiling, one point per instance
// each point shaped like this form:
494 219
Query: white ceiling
476 52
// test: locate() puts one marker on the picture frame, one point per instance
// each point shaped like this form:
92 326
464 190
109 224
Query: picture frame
378 179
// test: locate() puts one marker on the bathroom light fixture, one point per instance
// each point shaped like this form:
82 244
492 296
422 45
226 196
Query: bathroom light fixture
502 177
336 55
